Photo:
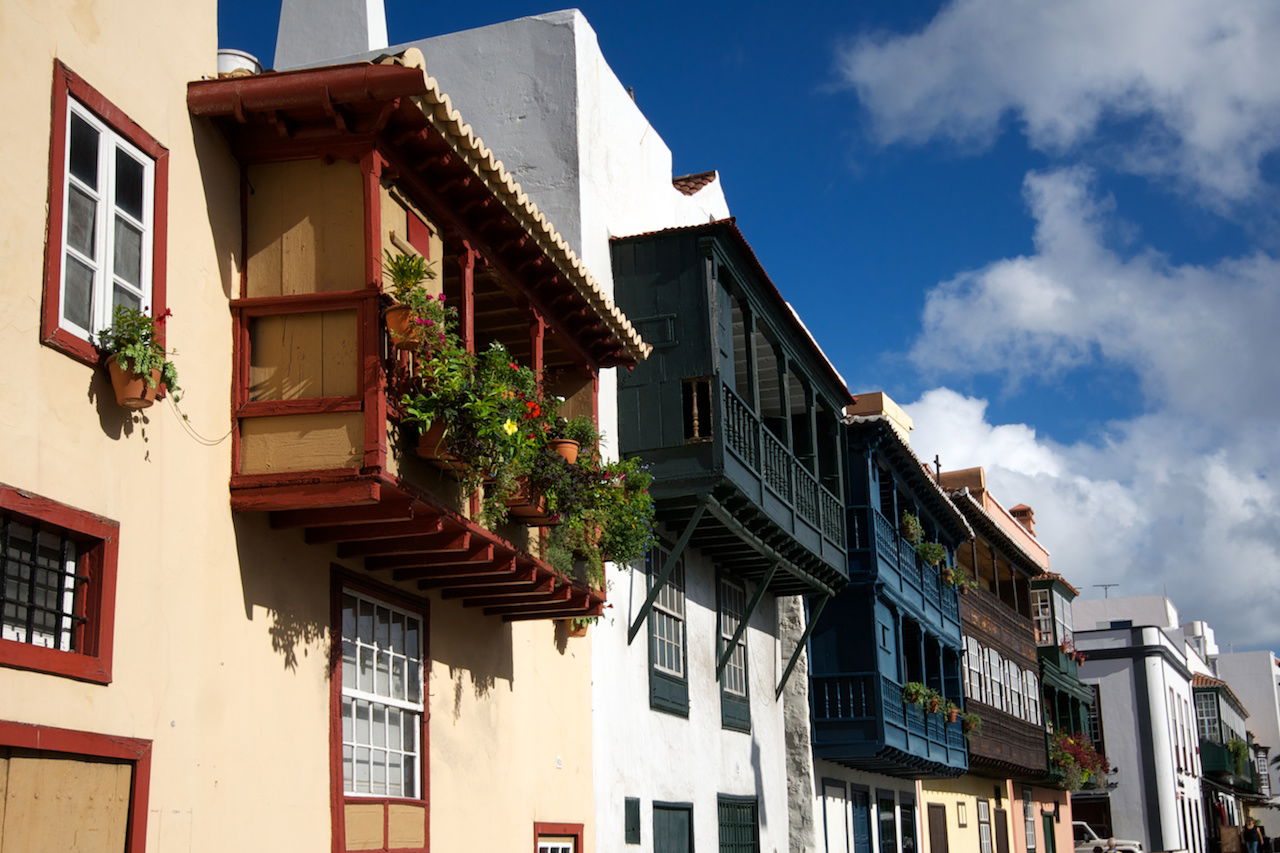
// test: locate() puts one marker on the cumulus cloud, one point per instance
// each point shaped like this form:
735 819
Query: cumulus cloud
1184 498
1194 83
1202 339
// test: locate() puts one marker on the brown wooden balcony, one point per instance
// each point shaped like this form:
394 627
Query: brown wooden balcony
339 166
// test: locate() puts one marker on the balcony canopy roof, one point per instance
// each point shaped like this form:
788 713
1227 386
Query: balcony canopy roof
728 228
880 429
988 528
394 104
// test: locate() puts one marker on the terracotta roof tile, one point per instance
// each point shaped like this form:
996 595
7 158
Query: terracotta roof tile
690 184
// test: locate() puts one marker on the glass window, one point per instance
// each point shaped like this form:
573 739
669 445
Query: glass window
1042 617
1032 691
668 618
549 844
997 679
907 818
1207 716
1029 818
1062 617
973 663
733 602
107 224
382 698
39 592
984 826
1015 689
888 825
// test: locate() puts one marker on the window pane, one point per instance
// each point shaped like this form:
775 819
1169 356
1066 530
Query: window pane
128 252
384 628
126 298
77 298
84 151
82 220
365 622
348 617
129 173
366 670
348 726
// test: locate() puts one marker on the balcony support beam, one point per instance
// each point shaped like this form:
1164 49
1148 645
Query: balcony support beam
761 589
665 574
725 517
800 644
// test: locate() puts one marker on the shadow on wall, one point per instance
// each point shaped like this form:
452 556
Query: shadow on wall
288 579
220 180
115 420
474 647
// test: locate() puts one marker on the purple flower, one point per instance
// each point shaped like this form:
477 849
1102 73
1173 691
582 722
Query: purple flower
427 321
440 297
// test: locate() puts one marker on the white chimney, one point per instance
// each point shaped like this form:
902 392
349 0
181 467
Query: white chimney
317 32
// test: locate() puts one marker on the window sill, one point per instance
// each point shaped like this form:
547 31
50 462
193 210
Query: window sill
71 345
89 668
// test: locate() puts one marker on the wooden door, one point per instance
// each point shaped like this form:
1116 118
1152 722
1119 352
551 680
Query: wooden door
672 829
938 828
1001 830
860 808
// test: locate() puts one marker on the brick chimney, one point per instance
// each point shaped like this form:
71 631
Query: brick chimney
1025 516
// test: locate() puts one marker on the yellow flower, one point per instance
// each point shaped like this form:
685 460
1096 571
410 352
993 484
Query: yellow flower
510 427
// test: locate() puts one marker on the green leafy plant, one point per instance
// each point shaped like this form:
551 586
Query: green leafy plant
580 429
912 530
959 578
608 517
971 724
406 273
1239 752
131 338
932 553
915 693
949 708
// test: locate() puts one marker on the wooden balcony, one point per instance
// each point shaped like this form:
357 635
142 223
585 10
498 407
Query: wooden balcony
918 587
861 721
1216 763
1007 747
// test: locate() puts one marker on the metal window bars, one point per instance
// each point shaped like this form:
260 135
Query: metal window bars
42 585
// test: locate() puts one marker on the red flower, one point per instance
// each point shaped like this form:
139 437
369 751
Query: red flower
534 410
514 366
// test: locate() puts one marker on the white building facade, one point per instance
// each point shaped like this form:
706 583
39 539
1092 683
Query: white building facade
1255 678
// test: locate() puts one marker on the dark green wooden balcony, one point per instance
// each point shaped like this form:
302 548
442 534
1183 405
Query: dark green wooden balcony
736 411
860 720
1217 763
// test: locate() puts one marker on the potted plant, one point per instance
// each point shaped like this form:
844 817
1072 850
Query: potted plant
911 529
932 553
1239 752
136 362
413 312
577 626
963 580
1075 757
915 693
569 436
971 724
933 701
950 710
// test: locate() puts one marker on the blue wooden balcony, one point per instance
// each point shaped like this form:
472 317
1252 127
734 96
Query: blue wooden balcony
877 549
860 720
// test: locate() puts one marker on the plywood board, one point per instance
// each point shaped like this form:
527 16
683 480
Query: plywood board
301 442
305 229
299 356
364 827
55 804
404 224
406 826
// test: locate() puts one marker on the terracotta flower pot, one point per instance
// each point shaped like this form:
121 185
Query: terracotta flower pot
576 630
530 509
132 389
404 332
953 715
431 447
566 447
935 705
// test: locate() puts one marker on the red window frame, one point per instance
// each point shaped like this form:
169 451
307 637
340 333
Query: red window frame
98 541
560 830
66 83
340 580
71 742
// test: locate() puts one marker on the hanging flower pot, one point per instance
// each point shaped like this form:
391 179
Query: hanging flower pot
566 447
433 447
576 627
403 327
953 714
529 508
133 390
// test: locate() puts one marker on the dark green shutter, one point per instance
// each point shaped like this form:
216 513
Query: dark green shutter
631 820
672 828
739 828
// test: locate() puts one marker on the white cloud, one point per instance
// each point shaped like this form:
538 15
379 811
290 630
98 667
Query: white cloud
1184 498
1196 80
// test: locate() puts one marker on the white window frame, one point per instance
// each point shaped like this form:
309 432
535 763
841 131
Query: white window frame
408 711
1032 689
557 844
1042 617
55 587
1015 689
668 613
1209 724
733 603
984 826
1029 819
1062 618
997 680
973 669
104 279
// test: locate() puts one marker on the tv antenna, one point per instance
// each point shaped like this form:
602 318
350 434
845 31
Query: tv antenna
1106 588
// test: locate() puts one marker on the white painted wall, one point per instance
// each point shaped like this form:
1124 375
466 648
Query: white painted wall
1126 748
1093 613
312 31
831 809
654 755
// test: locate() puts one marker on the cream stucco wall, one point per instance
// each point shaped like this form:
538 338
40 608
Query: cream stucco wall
221 623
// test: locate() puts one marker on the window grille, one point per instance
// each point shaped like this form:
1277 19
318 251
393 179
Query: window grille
382 700
739 827
42 585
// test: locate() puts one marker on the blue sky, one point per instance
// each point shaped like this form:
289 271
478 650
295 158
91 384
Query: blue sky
1051 232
